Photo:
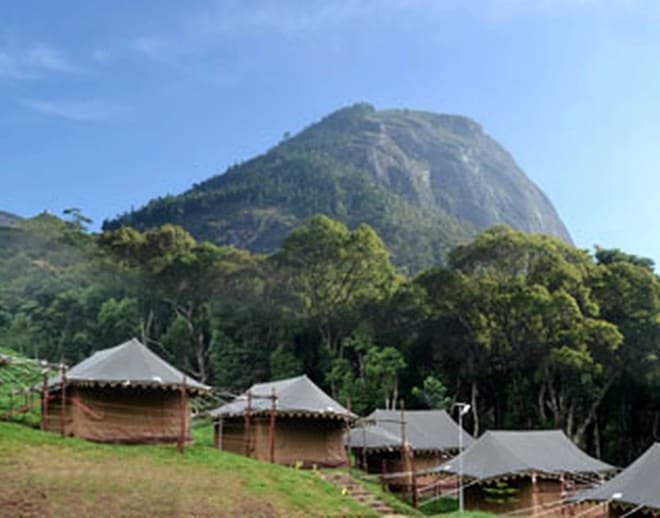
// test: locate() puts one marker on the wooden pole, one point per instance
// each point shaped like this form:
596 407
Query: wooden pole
246 424
347 422
364 448
271 428
403 431
184 417
403 445
217 428
413 468
44 401
63 406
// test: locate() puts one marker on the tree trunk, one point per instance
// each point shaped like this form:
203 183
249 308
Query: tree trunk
201 357
541 404
475 411
592 414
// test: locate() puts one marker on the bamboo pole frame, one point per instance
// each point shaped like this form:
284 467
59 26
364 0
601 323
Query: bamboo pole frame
271 427
247 419
44 401
184 418
63 406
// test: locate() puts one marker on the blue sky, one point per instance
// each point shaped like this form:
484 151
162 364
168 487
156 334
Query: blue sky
105 105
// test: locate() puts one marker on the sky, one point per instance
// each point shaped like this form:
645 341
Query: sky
105 105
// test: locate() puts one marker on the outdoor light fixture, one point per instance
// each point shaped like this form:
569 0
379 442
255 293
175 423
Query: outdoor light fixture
463 408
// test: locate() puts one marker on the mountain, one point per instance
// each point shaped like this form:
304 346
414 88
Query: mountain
42 256
424 181
8 220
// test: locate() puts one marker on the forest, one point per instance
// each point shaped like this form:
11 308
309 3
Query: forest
530 331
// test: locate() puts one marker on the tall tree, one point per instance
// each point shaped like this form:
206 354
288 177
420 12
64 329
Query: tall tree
332 272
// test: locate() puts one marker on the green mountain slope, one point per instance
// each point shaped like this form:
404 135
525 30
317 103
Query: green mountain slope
423 181
42 255
7 219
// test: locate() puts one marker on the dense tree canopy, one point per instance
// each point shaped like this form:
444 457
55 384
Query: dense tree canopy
532 332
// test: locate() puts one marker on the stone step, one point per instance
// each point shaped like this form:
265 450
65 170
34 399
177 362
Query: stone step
359 493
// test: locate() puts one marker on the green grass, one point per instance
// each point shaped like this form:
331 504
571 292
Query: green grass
470 514
42 474
444 505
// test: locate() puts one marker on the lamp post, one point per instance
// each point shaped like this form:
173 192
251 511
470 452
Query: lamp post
463 408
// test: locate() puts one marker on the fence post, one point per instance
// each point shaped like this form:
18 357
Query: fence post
63 406
184 406
404 467
364 448
271 429
44 401
348 432
217 426
413 468
246 424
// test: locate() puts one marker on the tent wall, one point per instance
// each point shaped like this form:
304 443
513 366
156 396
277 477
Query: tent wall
389 462
120 415
586 510
617 511
535 498
306 440
379 461
382 461
52 422
232 437
425 461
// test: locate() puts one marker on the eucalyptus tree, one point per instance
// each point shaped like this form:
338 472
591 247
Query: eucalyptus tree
526 335
332 272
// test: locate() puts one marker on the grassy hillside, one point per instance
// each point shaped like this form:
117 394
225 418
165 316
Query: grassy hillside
15 377
44 475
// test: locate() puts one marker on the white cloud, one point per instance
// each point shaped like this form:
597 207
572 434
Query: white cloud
154 47
509 9
82 111
205 28
32 62
286 18
209 27
101 55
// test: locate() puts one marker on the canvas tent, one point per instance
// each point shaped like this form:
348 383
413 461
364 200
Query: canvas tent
125 394
634 491
290 422
432 435
512 470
